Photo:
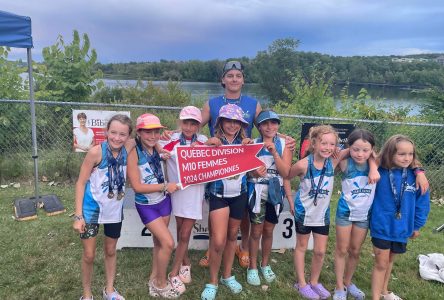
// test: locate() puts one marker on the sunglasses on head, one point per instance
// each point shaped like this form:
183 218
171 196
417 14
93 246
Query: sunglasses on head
234 64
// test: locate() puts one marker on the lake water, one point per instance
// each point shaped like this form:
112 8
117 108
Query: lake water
391 96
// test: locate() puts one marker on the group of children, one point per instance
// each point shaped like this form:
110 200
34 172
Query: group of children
389 189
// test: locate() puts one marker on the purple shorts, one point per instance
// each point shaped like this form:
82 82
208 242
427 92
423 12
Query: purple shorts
149 213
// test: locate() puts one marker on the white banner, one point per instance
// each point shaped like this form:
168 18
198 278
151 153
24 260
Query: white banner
89 127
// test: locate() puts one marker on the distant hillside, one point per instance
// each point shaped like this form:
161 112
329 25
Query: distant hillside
416 70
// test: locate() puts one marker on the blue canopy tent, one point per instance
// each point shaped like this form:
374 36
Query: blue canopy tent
15 31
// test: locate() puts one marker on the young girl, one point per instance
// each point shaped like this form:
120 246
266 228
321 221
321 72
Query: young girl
187 203
312 206
352 212
153 201
399 210
98 200
262 187
228 201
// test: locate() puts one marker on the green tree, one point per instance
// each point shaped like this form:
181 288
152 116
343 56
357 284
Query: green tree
308 94
68 71
271 67
15 121
11 84
434 109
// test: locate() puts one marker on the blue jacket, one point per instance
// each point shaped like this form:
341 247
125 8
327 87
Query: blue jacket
414 208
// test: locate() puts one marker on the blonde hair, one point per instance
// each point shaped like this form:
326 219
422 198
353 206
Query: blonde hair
390 148
316 132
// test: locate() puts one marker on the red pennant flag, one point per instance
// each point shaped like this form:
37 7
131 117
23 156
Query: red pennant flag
202 164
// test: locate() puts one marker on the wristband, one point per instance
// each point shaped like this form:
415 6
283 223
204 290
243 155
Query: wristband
418 170
77 217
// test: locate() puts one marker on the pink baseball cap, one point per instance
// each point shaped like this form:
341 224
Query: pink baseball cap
148 121
190 112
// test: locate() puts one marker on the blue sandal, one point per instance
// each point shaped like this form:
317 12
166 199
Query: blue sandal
231 282
253 277
209 292
268 274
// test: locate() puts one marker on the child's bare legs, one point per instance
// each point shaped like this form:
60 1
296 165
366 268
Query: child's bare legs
319 249
381 271
255 237
156 249
267 242
89 253
219 224
230 246
110 263
184 227
299 257
343 234
385 289
358 236
159 229
245 231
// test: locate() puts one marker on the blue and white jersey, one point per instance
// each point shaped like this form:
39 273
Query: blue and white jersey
267 158
305 210
229 187
97 207
147 177
357 194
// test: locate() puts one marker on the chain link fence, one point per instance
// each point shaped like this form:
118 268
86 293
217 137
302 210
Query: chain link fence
57 161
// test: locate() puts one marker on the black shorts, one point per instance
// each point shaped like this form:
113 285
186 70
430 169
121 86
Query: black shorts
237 205
302 229
395 247
111 230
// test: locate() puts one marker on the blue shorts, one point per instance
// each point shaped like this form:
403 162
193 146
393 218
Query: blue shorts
149 213
344 221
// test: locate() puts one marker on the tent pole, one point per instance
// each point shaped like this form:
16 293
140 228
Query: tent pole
33 126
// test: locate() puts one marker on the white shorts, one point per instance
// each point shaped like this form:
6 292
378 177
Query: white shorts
188 203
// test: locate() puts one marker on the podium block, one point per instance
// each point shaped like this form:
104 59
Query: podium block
134 233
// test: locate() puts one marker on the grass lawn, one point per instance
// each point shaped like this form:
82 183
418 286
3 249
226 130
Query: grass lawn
40 259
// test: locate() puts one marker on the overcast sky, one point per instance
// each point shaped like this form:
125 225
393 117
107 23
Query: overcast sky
150 30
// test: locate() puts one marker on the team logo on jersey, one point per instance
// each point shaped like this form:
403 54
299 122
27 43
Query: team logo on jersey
322 190
104 186
149 177
410 188
360 191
